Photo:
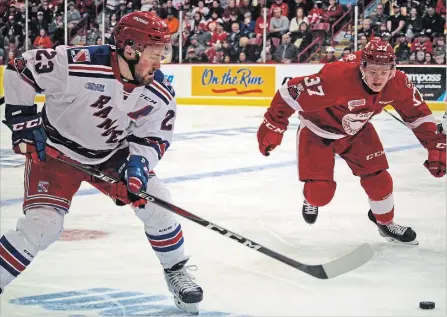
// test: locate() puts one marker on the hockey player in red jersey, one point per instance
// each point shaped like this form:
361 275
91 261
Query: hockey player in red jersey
335 107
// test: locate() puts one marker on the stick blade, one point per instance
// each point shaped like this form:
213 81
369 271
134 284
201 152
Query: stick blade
349 262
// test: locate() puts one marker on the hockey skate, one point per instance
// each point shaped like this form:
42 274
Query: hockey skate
393 232
310 213
187 294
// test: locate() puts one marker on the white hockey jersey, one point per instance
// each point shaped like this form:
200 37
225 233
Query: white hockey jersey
90 113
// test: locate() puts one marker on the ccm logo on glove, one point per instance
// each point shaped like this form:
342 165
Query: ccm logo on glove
27 124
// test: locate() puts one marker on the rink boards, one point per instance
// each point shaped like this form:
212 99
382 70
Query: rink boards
255 85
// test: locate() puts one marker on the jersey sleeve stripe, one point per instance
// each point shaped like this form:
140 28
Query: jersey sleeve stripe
162 90
419 121
158 94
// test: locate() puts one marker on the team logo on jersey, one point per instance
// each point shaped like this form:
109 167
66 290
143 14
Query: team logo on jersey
80 55
42 187
20 64
356 103
140 113
295 91
353 122
95 87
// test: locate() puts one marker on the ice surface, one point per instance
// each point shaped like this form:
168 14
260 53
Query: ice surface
214 170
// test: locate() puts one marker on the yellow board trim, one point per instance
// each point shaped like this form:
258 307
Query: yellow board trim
259 102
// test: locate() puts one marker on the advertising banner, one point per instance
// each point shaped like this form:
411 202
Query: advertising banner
429 80
233 81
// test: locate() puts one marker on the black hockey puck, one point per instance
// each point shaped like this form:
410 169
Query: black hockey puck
427 305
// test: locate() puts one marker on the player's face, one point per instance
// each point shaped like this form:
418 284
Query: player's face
148 63
376 76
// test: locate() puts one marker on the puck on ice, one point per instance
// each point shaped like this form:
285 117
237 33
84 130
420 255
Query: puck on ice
427 305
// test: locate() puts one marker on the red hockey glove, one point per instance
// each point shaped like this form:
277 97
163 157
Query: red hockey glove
436 156
270 134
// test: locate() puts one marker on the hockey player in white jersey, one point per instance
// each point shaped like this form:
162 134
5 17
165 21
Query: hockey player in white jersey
106 107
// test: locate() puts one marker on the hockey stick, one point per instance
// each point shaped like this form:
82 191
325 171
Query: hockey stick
344 264
395 117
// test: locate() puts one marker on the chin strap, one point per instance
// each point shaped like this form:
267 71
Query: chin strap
130 63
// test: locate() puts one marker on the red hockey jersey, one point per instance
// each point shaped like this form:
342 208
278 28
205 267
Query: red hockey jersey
334 102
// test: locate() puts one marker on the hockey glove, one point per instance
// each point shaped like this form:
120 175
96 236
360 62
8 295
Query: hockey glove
270 134
135 174
28 135
436 156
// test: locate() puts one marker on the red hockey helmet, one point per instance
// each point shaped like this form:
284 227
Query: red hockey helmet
141 28
378 52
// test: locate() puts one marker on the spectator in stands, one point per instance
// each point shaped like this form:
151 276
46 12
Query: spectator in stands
247 7
43 40
414 22
195 22
99 41
171 21
439 46
123 9
146 5
191 56
11 56
279 24
428 59
432 22
38 24
402 49
252 51
10 38
294 5
281 5
366 29
440 59
386 36
257 9
261 24
317 13
231 9
329 57
226 59
248 26
333 12
219 35
379 18
304 37
216 8
286 52
440 8
396 22
296 22
422 43
363 40
242 59
93 34
204 11
346 52
412 58
73 15
420 57
198 48
268 53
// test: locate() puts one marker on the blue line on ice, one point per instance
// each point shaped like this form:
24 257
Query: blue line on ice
225 172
